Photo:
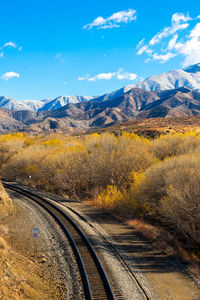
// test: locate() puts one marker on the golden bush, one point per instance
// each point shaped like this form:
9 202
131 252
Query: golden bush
157 178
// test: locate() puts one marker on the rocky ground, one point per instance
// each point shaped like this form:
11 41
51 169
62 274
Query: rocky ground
36 268
162 276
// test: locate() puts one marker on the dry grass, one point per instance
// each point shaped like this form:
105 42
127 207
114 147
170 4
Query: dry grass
158 180
6 206
157 235
3 245
22 279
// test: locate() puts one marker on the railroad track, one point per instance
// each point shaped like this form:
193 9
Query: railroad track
94 279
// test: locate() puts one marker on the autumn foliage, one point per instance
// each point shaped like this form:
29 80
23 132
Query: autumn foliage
155 179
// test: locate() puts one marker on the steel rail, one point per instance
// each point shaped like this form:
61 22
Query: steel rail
86 285
112 248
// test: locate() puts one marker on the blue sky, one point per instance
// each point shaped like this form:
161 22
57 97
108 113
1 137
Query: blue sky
51 48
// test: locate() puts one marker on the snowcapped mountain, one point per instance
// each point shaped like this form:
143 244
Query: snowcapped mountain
114 94
40 105
35 105
11 104
62 101
189 77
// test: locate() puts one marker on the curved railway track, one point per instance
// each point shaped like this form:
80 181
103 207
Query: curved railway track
94 279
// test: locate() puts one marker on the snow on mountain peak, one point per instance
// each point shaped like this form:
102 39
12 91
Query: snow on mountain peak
189 77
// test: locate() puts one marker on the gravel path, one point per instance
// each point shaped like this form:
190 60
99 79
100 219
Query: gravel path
53 250
161 276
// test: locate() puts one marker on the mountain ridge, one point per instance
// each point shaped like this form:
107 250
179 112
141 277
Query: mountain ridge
134 104
75 113
189 77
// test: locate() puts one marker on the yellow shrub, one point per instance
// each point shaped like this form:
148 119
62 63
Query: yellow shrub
6 206
110 197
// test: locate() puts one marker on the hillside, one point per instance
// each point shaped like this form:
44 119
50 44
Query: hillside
154 127
134 104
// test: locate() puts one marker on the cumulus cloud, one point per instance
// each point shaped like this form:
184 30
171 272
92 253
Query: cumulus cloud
169 42
10 75
120 74
178 22
190 48
167 31
9 44
163 57
172 42
142 49
179 17
128 76
115 20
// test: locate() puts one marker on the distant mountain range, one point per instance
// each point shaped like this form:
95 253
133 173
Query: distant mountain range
40 105
150 98
62 101
134 104
189 77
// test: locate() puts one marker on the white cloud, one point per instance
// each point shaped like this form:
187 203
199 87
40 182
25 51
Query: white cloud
106 76
142 49
167 31
109 26
179 17
172 42
140 43
91 79
85 77
126 75
190 49
147 60
10 75
120 74
123 16
114 20
163 57
167 43
9 44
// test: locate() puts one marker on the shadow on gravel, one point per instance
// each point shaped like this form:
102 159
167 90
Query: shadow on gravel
140 253
136 249
102 217
141 256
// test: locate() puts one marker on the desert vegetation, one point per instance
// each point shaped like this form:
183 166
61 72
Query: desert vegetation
153 179
6 206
